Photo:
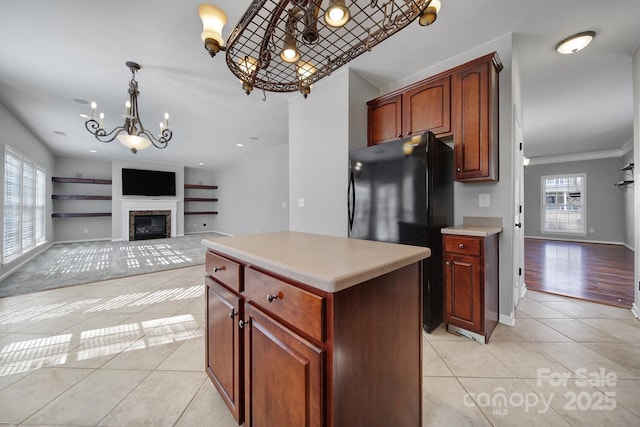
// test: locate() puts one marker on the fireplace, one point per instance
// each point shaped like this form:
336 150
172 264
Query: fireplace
132 208
145 225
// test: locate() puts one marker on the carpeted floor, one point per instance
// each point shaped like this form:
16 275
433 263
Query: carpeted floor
66 264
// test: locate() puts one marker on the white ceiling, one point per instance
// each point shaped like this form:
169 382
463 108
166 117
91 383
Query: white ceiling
53 52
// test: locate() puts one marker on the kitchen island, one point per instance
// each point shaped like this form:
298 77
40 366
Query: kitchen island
311 330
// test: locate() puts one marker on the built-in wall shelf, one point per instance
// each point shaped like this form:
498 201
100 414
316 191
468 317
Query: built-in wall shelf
69 180
626 183
202 187
80 214
202 213
200 199
78 197
80 180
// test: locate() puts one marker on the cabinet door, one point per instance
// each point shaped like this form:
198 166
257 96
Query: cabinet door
384 119
427 107
475 142
283 374
224 345
463 297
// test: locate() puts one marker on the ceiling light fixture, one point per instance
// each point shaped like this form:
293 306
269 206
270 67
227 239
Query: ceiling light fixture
287 45
575 42
131 134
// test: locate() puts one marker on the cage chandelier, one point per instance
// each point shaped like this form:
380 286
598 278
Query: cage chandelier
132 133
287 45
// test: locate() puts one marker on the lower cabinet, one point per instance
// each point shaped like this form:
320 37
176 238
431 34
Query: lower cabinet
283 375
223 345
282 353
471 283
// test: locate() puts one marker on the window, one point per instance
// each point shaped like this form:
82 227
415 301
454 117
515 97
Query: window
564 204
24 204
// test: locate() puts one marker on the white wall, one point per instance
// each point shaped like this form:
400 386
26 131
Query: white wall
254 194
117 197
80 229
16 135
322 128
605 202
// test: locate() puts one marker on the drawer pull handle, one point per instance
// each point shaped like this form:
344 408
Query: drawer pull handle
448 263
461 246
270 298
232 314
216 269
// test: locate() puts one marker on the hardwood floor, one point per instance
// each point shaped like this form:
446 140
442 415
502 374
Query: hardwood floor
589 271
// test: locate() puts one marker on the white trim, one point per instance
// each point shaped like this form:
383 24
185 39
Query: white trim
148 205
509 320
568 239
593 155
635 310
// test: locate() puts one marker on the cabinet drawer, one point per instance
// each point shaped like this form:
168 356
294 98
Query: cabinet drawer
303 310
223 270
470 246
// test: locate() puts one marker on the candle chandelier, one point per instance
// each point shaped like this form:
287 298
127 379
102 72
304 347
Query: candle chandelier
132 133
287 45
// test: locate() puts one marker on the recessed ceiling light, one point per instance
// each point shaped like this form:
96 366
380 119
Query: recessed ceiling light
200 164
239 145
575 42
81 101
93 151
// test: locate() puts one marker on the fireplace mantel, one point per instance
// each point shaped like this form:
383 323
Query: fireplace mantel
129 205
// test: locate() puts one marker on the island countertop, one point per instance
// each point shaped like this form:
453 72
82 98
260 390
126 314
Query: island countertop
327 263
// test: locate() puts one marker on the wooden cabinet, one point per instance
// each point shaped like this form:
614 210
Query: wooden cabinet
384 119
475 100
461 103
425 106
284 375
272 347
471 283
223 348
428 107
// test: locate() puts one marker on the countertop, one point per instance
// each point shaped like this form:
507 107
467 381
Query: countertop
327 263
472 230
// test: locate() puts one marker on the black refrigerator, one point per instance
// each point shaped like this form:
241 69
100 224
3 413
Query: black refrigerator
402 192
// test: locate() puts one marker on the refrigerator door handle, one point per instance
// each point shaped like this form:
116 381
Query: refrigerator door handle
351 200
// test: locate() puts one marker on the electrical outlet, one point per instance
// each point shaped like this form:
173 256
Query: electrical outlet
301 202
592 230
484 200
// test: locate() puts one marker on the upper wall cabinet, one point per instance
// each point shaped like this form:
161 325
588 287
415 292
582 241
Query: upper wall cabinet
461 103
418 108
384 119
475 100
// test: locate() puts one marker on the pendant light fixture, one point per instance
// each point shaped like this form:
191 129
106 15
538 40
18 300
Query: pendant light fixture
281 37
132 133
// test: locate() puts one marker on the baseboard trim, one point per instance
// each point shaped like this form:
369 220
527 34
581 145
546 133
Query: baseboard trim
103 239
576 240
635 310
508 320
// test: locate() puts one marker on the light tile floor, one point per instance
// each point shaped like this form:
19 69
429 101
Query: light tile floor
131 352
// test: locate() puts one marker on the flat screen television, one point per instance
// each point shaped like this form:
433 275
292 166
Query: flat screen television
139 182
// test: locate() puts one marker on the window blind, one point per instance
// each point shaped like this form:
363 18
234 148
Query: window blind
24 204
